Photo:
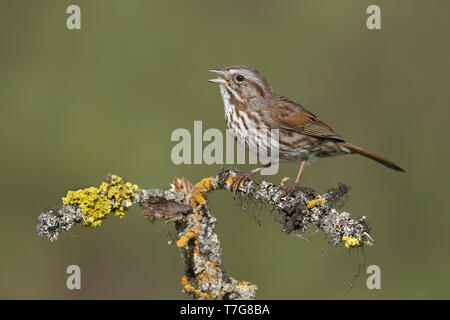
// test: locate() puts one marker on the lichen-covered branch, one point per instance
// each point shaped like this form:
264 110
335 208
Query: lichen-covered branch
185 204
304 206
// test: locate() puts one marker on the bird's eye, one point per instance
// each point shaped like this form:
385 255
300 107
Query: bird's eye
240 78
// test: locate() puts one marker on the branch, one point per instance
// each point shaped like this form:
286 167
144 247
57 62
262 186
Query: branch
186 206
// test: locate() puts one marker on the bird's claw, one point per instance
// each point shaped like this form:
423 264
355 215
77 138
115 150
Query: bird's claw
240 179
287 190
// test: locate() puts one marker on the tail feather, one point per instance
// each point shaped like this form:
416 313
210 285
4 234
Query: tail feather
373 156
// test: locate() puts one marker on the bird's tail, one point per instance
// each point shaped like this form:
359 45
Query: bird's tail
373 156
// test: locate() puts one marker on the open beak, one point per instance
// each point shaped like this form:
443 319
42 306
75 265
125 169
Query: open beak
218 80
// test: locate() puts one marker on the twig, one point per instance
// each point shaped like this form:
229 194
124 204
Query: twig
186 205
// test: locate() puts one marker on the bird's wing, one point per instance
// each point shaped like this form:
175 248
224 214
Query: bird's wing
292 116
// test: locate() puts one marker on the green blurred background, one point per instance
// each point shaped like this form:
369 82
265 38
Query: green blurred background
76 105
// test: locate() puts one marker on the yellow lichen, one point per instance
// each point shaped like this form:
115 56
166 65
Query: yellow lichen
119 191
94 205
316 203
350 241
97 203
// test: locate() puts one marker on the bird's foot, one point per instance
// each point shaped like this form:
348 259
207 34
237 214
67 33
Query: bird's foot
287 190
240 179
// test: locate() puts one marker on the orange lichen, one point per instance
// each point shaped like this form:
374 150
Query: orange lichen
204 276
184 239
197 228
198 215
200 285
229 180
284 180
246 286
191 289
199 191
190 234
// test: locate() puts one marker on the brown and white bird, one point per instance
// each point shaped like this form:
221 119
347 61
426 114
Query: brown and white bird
251 104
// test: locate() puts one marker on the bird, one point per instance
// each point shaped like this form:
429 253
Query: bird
251 104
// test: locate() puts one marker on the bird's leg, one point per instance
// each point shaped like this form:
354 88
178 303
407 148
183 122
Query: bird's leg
289 189
300 171
241 178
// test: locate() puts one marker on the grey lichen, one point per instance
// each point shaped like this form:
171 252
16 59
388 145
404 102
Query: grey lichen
54 221
186 205
302 207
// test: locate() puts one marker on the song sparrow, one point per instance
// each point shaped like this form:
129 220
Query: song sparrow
250 103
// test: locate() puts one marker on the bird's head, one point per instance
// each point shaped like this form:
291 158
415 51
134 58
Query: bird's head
244 84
